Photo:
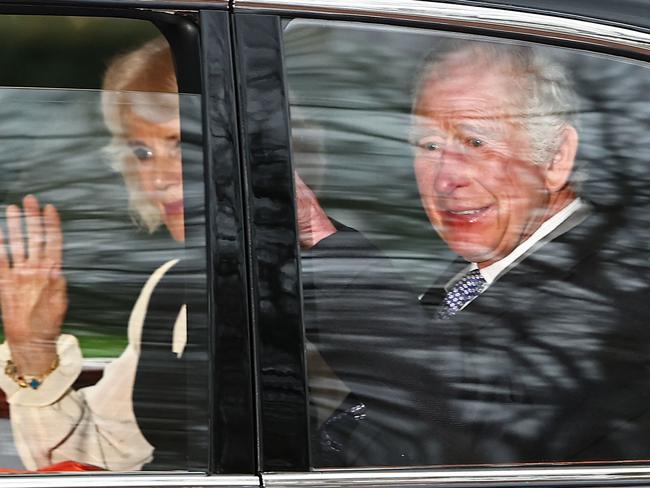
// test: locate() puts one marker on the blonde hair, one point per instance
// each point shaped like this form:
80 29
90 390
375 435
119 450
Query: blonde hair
142 80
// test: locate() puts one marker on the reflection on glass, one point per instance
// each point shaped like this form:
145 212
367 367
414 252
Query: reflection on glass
147 411
482 297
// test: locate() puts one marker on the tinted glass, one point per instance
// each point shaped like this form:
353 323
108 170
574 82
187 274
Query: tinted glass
473 215
103 245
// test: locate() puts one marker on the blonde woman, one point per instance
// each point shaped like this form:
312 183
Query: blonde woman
96 425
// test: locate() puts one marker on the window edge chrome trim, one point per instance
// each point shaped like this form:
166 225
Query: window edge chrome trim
135 480
443 476
489 18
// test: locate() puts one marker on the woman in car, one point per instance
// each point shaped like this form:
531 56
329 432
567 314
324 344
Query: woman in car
115 423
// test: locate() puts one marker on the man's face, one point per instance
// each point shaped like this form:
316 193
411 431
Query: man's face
478 184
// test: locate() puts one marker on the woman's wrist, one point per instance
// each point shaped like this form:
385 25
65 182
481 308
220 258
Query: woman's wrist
33 381
33 358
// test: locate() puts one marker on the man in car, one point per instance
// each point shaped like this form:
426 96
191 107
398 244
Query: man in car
538 341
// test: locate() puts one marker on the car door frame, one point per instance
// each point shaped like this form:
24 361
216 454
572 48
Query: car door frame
278 332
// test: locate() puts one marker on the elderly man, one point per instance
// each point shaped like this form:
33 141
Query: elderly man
495 151
538 348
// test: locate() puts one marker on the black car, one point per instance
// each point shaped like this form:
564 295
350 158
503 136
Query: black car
324 243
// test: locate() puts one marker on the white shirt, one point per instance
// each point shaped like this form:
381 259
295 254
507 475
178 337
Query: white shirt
95 425
492 272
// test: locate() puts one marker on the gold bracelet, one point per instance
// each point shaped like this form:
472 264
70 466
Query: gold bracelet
32 381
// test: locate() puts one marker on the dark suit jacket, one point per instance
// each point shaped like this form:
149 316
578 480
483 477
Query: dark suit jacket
551 363
368 325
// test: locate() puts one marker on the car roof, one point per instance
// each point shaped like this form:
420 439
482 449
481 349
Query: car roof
631 13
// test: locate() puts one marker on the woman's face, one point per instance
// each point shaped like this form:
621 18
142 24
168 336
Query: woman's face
156 147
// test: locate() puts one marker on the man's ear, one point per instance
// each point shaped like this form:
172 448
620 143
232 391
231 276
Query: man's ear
558 172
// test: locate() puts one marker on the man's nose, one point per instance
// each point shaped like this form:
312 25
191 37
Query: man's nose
452 169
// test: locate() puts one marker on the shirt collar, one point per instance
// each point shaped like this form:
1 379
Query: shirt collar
493 271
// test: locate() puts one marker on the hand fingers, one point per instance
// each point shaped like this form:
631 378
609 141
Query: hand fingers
313 223
302 190
298 179
303 211
53 237
305 197
16 244
34 229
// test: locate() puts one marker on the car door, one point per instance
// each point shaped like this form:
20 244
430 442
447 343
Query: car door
121 117
360 369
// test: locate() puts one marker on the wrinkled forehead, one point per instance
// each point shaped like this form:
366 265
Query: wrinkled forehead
153 107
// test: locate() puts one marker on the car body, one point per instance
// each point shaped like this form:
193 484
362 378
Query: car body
232 63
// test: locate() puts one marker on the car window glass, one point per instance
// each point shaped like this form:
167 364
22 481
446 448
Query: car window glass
473 217
102 221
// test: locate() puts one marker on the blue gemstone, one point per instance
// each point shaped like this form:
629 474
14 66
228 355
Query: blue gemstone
34 384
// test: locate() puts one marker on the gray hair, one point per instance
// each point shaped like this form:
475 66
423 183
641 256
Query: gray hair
547 98
141 81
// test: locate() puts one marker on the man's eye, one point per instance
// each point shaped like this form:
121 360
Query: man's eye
475 142
430 146
142 153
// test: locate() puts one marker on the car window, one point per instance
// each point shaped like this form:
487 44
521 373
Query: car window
104 364
473 219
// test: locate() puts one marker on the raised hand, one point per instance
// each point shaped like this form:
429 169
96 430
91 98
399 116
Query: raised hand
313 223
32 288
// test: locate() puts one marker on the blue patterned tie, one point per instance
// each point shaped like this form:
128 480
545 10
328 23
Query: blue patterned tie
464 290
